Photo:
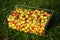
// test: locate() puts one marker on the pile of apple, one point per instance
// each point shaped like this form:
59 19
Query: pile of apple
27 20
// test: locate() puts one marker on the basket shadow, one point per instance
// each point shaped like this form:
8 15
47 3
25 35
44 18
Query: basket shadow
54 22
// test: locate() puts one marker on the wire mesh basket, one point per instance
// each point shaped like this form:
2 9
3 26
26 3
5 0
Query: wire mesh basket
29 19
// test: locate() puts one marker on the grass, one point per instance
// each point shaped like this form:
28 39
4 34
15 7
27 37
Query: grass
53 31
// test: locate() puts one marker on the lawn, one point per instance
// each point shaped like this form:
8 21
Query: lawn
53 31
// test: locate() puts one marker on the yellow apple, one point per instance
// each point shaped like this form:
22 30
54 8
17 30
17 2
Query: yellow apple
42 25
25 31
27 16
10 16
9 19
32 24
41 16
41 32
49 15
45 17
38 13
42 28
33 31
30 31
21 12
38 23
36 28
20 17
18 10
46 20
36 10
35 15
26 27
45 14
14 27
12 19
26 11
42 21
37 31
42 11
34 21
9 25
22 22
